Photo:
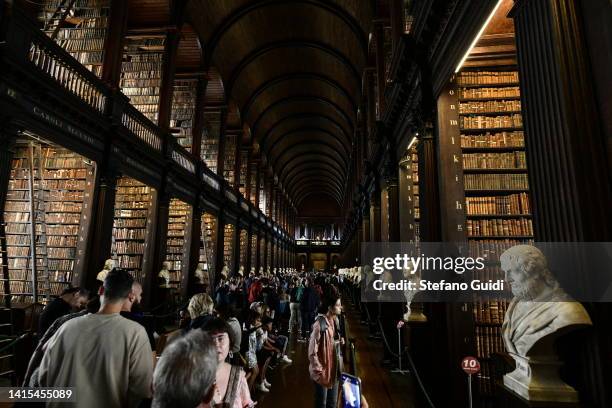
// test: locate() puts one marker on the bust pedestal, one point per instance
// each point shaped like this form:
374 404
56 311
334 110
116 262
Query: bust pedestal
507 398
536 378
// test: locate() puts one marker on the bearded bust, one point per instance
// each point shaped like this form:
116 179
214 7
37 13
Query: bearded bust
540 306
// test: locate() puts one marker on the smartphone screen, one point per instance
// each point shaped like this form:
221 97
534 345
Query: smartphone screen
351 391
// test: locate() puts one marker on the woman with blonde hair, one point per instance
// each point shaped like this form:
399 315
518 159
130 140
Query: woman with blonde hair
200 308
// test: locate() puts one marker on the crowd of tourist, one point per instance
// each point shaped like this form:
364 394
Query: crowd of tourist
228 339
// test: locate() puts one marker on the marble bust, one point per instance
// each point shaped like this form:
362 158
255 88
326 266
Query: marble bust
224 272
165 274
412 314
540 312
241 271
201 273
109 264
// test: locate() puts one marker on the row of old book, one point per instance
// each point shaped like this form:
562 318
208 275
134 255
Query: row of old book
513 204
499 227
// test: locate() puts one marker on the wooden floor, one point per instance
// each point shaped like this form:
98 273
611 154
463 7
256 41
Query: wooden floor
292 387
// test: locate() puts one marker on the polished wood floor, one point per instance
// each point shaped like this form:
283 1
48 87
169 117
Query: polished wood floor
292 387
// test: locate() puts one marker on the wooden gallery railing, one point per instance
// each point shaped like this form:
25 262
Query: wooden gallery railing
28 48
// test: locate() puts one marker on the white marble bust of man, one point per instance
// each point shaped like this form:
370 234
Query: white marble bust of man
540 306
109 264
165 274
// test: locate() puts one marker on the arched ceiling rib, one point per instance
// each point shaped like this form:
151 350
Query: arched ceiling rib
293 68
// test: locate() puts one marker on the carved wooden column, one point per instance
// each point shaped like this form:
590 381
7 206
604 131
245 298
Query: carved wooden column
375 215
391 192
568 148
428 188
113 45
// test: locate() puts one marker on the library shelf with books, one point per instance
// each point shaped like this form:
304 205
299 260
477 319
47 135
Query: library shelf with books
80 28
210 140
263 207
228 246
253 250
244 247
183 111
46 220
262 252
496 205
208 242
177 245
229 158
242 176
269 255
132 225
253 183
141 73
409 195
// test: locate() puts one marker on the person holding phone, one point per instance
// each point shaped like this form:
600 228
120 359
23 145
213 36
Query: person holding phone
324 350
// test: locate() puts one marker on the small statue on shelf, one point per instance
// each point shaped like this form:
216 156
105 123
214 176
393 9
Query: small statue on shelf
241 271
164 275
109 264
540 312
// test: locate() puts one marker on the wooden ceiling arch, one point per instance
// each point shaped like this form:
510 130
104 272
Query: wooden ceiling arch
313 186
252 6
300 98
308 147
300 137
315 132
300 123
319 164
306 177
297 76
294 69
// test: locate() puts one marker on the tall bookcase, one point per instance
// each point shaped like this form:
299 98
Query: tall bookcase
210 140
46 220
269 255
141 73
244 165
132 226
228 246
229 163
80 28
177 245
485 187
253 183
409 195
496 189
253 250
208 242
183 111
262 252
262 194
244 246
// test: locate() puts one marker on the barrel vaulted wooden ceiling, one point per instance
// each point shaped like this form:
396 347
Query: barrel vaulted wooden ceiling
292 70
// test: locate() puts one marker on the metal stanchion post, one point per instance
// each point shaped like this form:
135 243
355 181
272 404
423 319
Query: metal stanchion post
399 370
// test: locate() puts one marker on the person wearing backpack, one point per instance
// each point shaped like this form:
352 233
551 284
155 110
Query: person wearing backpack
325 358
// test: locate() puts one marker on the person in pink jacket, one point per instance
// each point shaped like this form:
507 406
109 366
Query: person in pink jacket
324 350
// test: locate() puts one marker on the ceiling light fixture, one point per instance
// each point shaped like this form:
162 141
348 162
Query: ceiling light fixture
482 29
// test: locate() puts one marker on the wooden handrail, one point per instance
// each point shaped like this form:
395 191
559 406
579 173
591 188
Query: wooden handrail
142 127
